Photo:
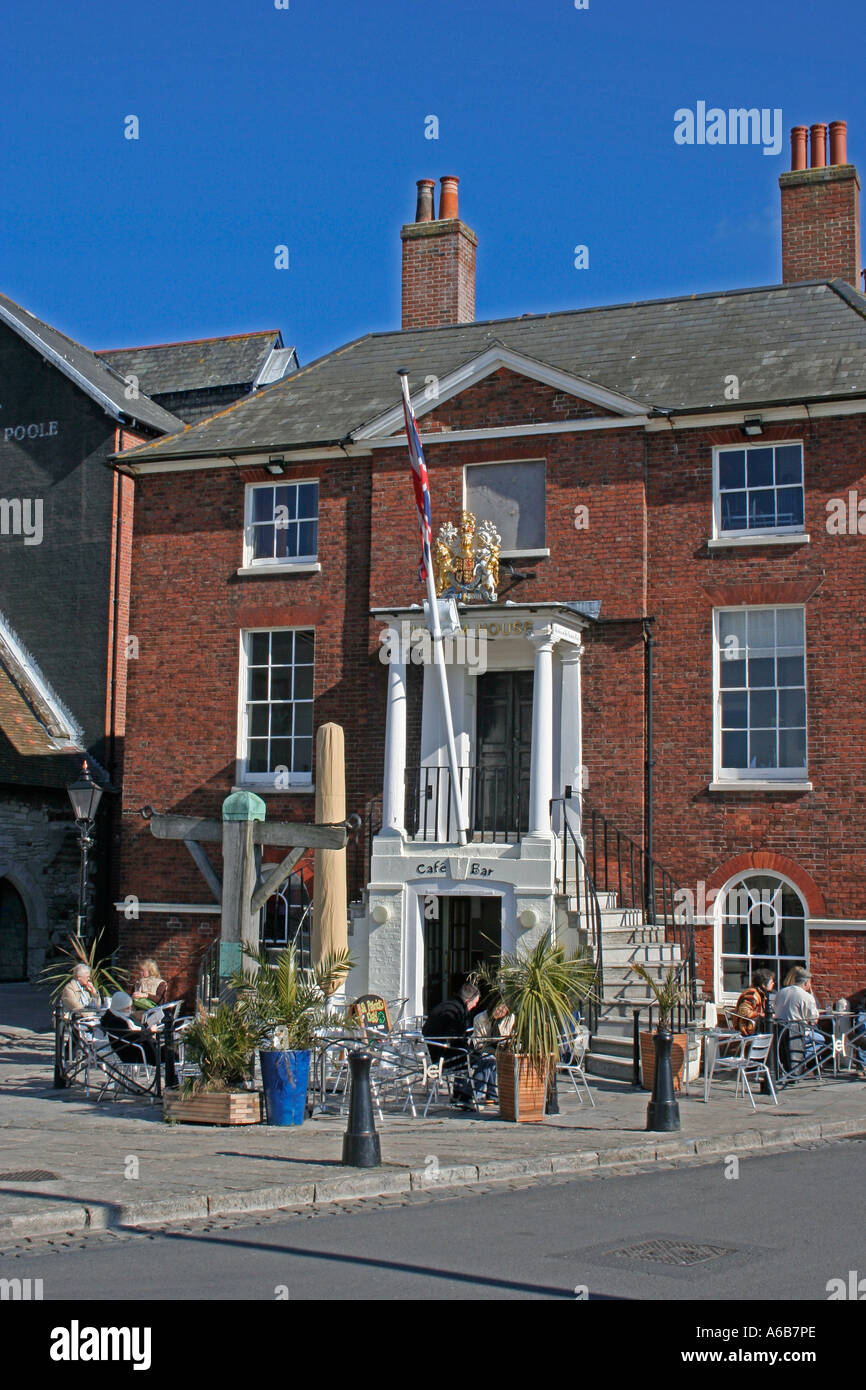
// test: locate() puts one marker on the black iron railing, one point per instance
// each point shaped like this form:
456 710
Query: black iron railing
619 865
580 885
495 803
207 990
612 862
362 853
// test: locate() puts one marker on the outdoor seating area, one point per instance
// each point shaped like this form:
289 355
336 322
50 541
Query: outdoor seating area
422 1075
783 1054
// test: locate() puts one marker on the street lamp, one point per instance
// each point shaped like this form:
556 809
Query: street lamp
85 796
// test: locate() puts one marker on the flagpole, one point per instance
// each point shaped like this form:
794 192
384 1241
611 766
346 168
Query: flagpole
439 660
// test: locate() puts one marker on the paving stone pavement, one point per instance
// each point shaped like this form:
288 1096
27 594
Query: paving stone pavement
117 1164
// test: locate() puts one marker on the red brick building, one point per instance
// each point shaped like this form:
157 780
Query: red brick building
678 632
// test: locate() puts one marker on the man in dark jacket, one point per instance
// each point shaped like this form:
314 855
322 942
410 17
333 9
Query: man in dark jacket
127 1039
450 1023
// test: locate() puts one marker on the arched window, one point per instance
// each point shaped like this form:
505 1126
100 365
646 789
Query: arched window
13 933
762 922
285 919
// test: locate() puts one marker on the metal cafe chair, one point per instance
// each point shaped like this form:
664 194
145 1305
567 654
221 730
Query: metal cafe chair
445 1070
753 1063
799 1056
572 1051
130 1076
398 1064
717 1061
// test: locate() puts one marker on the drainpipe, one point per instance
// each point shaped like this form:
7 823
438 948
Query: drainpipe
649 888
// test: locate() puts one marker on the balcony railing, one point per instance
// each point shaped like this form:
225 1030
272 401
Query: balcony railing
495 802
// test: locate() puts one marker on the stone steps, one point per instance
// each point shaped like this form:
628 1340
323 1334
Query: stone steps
656 958
610 1065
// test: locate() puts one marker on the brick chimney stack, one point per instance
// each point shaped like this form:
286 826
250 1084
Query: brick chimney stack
438 261
820 208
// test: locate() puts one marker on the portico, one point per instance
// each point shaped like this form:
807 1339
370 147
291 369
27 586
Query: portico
514 679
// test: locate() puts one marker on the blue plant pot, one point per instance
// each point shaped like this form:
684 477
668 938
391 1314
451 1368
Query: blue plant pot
284 1081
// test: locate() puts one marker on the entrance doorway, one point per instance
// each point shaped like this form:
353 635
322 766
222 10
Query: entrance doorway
13 933
461 935
503 752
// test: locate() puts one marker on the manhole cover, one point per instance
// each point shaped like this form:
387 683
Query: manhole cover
29 1175
672 1252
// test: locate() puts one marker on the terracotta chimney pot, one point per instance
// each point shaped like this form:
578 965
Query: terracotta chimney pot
798 147
424 209
818 135
448 198
838 142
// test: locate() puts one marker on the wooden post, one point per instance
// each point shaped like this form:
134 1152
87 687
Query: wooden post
239 924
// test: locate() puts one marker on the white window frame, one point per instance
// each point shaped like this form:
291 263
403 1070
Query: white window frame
273 562
302 781
755 535
726 996
746 777
525 553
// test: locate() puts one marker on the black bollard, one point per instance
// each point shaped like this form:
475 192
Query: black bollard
361 1142
551 1103
663 1112
60 1082
170 1053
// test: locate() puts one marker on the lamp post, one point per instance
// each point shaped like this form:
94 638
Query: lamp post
85 796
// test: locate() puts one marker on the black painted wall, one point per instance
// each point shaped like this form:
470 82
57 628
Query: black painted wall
55 594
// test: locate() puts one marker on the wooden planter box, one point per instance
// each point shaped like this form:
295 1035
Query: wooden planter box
215 1107
648 1059
521 1097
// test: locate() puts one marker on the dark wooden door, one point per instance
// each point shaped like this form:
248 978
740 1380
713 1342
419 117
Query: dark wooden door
461 934
503 751
13 933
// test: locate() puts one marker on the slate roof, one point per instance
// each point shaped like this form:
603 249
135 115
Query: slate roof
40 743
97 378
166 368
785 343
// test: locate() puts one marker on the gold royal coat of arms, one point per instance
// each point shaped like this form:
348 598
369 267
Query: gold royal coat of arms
466 562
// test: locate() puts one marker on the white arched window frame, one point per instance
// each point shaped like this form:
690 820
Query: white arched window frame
777 936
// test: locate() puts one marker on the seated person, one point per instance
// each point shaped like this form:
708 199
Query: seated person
117 1024
493 1023
150 988
796 1004
857 1005
450 1021
754 1003
79 992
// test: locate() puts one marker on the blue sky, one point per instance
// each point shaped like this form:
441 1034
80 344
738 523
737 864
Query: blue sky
306 127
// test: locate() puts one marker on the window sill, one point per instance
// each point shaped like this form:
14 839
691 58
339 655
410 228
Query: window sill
265 789
754 785
254 571
731 542
543 554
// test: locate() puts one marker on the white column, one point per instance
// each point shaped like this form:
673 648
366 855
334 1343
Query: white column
571 720
541 766
394 786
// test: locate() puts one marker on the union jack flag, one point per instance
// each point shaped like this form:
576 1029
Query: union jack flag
420 481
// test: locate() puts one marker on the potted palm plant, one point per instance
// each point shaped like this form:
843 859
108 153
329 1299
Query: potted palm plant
284 1006
668 993
541 988
103 977
663 1113
223 1045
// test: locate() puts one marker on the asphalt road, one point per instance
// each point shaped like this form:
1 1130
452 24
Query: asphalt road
780 1230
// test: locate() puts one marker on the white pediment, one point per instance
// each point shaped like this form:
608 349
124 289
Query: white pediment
433 391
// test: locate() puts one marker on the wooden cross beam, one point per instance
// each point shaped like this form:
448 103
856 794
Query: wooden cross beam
242 892
276 833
